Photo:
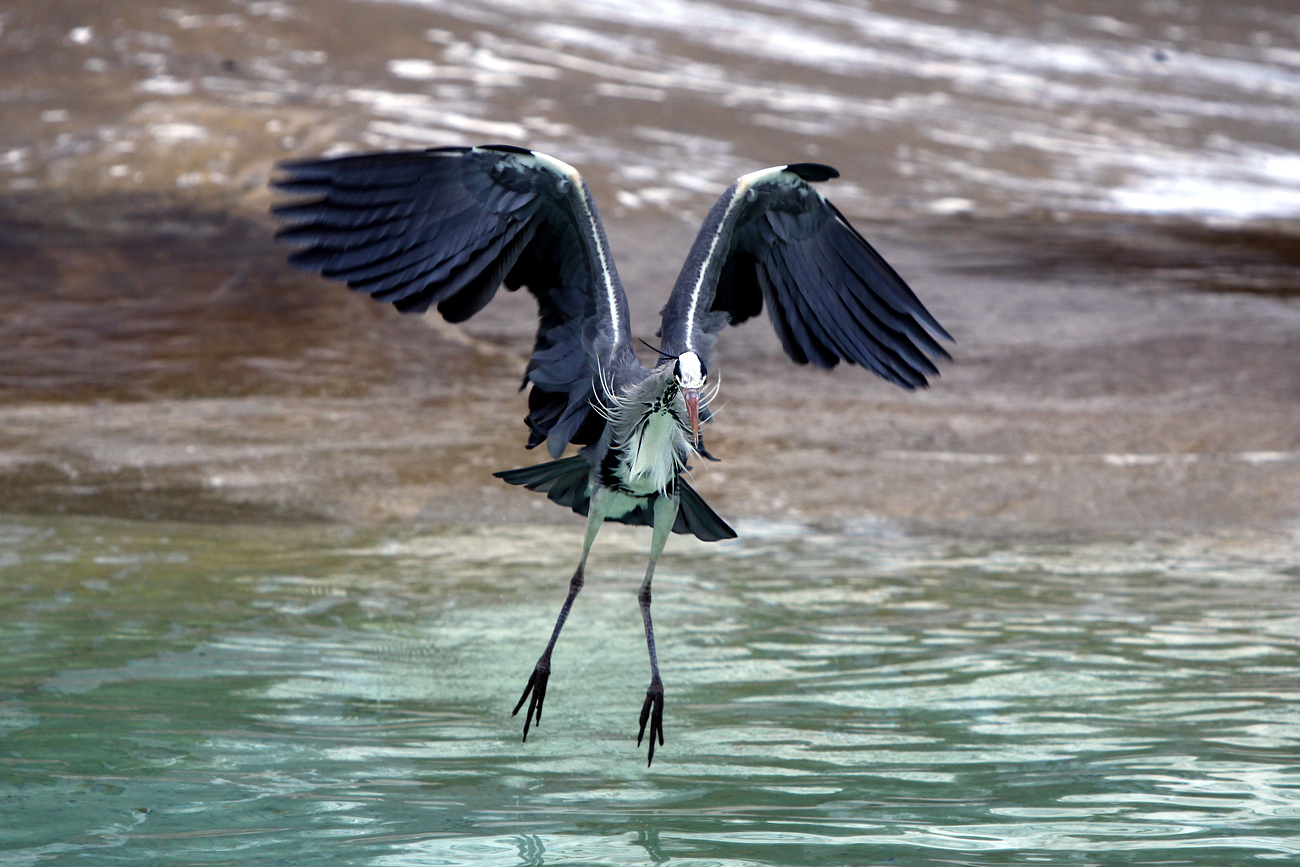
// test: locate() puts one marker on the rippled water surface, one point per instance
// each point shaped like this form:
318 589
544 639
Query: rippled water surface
175 693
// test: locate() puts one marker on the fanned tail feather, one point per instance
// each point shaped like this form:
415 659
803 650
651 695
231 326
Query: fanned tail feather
568 483
695 516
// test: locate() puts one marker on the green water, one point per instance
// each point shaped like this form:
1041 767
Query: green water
186 694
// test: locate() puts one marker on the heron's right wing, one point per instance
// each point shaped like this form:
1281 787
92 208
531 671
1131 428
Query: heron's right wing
773 239
446 227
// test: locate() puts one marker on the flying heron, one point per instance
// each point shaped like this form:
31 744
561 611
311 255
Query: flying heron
447 226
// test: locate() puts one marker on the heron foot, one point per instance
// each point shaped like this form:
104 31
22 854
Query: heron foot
653 710
537 687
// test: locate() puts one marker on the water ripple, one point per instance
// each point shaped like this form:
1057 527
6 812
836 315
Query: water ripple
831 699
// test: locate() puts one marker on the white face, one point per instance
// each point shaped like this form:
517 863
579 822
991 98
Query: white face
690 371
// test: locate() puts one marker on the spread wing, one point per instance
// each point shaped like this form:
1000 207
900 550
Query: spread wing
446 227
830 296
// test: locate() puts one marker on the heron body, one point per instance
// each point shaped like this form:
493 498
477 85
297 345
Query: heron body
449 226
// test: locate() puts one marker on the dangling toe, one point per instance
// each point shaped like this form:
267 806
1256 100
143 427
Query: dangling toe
536 686
653 710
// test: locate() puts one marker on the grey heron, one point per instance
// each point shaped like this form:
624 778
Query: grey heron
448 226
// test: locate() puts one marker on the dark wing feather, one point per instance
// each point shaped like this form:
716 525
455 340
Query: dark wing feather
830 296
446 227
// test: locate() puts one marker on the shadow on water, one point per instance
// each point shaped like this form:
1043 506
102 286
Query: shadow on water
1178 256
186 693
131 298
164 363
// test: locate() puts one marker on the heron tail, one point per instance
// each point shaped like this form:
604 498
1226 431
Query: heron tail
568 483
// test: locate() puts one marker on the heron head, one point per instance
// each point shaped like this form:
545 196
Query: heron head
691 375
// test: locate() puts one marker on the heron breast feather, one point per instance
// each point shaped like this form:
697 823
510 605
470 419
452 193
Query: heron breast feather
653 454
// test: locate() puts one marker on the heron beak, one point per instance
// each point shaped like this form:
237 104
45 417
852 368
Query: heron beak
692 398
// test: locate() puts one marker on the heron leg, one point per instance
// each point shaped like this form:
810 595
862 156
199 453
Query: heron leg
542 671
665 515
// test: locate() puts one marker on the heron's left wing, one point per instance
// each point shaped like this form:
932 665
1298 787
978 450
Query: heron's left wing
773 238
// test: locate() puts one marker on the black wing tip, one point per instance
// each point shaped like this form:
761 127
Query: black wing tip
505 148
813 172
909 380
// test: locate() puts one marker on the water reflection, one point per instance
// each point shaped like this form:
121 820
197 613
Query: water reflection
174 691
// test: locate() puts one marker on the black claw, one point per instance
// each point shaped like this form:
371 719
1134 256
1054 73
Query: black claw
654 701
536 686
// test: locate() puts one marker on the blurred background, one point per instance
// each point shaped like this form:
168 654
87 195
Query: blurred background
262 601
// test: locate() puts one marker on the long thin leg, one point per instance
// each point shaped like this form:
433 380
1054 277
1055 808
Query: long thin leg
665 515
542 671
